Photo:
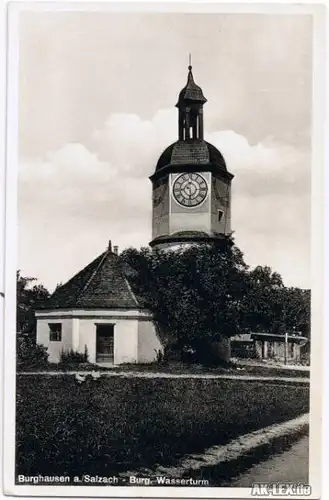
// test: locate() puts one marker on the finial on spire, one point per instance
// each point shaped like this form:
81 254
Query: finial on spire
189 62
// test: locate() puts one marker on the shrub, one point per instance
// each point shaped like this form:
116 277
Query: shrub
29 354
74 357
159 356
204 355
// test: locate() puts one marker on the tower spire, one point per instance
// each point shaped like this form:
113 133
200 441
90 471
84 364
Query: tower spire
190 109
190 80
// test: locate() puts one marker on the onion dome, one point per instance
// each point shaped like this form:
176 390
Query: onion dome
191 91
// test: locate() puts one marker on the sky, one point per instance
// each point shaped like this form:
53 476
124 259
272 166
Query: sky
97 95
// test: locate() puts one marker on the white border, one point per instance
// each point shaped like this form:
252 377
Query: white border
281 6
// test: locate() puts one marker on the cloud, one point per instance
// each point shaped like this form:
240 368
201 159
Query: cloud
133 144
271 205
73 200
75 180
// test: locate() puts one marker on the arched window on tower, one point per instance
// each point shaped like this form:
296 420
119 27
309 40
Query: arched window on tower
194 124
190 124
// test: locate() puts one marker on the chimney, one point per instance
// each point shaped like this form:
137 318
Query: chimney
116 249
110 246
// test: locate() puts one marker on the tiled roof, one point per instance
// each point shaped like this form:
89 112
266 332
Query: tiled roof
195 151
189 152
242 337
100 285
276 336
191 91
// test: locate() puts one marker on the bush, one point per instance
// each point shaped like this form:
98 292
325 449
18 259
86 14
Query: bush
205 354
159 356
29 354
74 357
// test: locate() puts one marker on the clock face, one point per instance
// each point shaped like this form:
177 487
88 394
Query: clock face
190 189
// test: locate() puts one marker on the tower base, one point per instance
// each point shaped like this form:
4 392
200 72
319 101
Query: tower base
185 239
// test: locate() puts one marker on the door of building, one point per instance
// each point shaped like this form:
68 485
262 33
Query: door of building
105 343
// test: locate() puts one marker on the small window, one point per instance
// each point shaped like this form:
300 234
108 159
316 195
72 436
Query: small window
220 215
55 332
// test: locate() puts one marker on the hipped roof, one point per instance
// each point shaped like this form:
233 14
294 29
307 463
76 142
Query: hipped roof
100 285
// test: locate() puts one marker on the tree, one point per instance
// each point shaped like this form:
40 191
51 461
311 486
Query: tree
271 307
294 304
29 299
30 354
261 301
203 294
195 295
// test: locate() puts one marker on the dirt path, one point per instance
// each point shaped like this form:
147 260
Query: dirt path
290 466
235 450
276 366
133 374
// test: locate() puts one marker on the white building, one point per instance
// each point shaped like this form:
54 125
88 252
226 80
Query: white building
97 310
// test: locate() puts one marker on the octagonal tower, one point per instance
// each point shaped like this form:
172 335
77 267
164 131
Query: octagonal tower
191 183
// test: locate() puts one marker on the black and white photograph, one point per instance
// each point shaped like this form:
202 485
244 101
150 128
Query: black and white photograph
162 328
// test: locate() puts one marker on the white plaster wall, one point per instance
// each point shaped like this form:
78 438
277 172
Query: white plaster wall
160 210
75 333
87 337
222 189
55 348
95 313
189 221
125 341
148 342
79 330
175 246
160 226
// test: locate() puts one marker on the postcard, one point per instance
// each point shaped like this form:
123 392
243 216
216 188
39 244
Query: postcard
163 250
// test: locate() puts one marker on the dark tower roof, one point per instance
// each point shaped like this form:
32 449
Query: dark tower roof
191 152
100 285
191 149
191 91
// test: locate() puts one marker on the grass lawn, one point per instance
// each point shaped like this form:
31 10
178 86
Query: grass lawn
115 424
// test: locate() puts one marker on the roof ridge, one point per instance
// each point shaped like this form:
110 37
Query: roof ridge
92 276
101 285
130 290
